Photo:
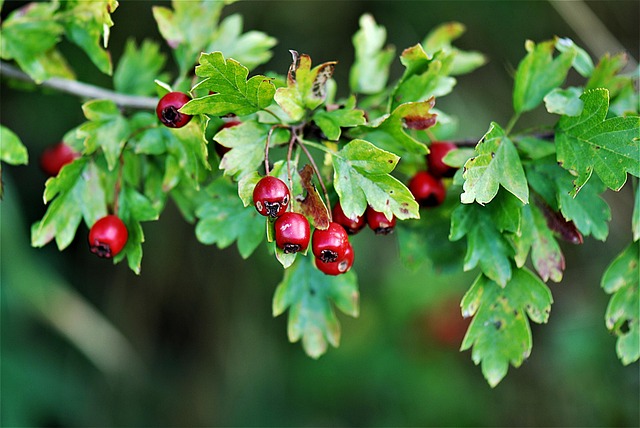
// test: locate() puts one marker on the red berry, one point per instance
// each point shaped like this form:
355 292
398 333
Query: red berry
339 266
379 223
54 157
428 190
437 151
330 244
351 226
108 236
167 109
292 232
271 196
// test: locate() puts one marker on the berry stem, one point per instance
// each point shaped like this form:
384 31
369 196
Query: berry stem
317 171
268 144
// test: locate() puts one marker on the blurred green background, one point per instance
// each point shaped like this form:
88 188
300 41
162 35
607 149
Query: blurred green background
191 342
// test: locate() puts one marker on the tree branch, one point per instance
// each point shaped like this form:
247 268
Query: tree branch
80 89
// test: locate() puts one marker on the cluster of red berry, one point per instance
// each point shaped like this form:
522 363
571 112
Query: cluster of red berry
427 186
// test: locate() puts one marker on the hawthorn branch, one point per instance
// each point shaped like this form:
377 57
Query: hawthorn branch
80 89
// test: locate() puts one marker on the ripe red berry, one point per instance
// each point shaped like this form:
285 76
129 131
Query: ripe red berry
330 244
108 236
428 190
379 223
351 226
437 151
271 196
339 266
292 232
167 109
54 157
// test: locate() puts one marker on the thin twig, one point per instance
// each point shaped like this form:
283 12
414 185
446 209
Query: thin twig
80 89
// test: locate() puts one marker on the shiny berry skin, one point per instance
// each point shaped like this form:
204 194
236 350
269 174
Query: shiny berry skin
108 236
167 109
351 226
271 196
292 232
329 245
54 157
339 266
379 223
437 151
428 190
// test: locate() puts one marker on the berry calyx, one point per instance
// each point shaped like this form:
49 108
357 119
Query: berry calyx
292 232
167 109
428 190
339 266
271 196
54 157
351 225
435 165
108 236
379 223
329 245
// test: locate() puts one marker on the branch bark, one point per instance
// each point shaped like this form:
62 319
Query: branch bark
81 89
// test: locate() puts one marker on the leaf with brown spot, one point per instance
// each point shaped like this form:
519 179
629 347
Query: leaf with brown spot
312 206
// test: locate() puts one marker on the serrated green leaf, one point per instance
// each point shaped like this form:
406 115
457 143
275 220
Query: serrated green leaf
86 24
564 101
138 68
497 163
591 143
106 129
250 49
440 38
424 77
621 280
247 142
224 220
76 193
232 92
362 177
389 132
308 294
370 70
487 245
189 146
12 151
306 86
499 332
538 73
29 35
546 256
331 121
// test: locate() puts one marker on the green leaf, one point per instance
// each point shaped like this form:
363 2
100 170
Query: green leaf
12 151
588 143
621 280
370 70
538 73
188 28
389 132
233 93
440 38
106 129
306 87
331 121
424 76
76 193
247 142
497 164
487 244
500 333
189 148
250 49
564 101
607 74
536 236
138 68
582 61
224 220
29 34
308 294
362 177
86 24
